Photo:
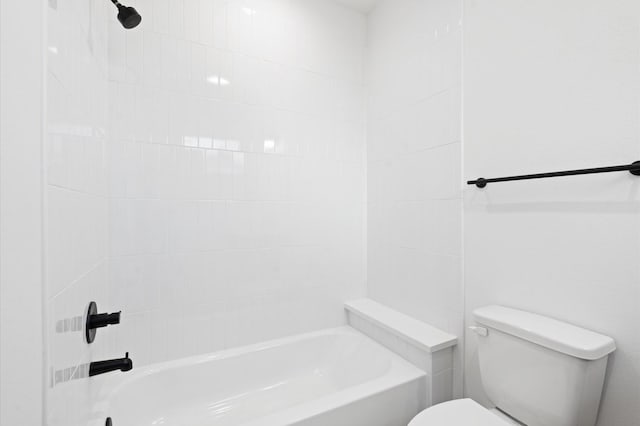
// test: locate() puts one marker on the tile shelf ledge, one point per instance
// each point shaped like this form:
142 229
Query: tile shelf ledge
417 333
422 345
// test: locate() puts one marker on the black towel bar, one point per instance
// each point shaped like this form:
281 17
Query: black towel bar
633 168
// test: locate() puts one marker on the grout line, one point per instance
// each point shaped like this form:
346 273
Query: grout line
79 278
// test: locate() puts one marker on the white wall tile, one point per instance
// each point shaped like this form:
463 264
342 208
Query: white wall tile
134 53
176 21
152 58
192 20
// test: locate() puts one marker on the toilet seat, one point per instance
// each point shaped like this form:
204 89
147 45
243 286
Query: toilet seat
461 412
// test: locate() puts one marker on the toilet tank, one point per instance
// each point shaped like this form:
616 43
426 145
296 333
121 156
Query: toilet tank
538 370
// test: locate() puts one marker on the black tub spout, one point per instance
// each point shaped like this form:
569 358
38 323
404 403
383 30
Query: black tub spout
102 367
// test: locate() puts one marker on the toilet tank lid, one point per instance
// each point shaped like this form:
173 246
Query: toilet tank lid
548 332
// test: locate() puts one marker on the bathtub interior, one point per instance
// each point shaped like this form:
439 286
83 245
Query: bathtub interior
239 386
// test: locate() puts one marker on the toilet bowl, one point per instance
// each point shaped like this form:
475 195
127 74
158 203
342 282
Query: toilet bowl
462 412
520 356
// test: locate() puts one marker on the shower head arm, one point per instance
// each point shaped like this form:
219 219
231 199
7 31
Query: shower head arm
117 3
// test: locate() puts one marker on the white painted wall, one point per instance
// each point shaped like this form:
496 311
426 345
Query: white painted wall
21 254
549 86
236 173
414 161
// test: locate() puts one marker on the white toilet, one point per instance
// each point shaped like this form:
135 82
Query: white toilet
539 371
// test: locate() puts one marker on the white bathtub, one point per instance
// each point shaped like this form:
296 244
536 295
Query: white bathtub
335 377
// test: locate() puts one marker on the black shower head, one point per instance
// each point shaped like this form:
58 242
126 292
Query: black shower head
128 16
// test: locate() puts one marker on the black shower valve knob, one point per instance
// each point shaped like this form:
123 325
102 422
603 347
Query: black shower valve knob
96 320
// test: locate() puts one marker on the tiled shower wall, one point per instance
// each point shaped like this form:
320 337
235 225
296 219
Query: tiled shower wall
206 176
75 199
414 161
237 175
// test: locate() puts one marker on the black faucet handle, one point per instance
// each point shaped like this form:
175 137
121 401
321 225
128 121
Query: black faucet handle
96 320
103 320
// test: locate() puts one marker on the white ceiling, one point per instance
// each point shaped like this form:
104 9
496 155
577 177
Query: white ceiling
360 5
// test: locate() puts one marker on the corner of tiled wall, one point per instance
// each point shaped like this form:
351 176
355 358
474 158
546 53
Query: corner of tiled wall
76 200
414 165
